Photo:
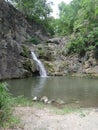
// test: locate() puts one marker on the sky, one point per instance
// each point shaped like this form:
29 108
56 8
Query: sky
55 6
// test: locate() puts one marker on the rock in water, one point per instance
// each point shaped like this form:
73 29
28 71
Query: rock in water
59 101
35 99
44 99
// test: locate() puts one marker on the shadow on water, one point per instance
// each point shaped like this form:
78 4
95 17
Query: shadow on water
72 90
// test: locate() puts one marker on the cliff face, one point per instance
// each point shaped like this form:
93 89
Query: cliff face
59 63
15 30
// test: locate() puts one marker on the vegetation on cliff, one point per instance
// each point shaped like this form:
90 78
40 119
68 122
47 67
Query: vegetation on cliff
79 19
38 10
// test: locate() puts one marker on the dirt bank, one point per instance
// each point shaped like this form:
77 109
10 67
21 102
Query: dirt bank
45 119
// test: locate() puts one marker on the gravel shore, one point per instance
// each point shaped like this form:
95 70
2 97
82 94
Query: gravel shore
44 119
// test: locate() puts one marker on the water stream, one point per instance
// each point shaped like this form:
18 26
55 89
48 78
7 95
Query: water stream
39 65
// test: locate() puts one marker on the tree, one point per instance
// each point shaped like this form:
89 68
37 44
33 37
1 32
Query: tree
85 27
67 16
80 20
38 10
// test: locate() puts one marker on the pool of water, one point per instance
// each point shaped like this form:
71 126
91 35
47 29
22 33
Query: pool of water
72 90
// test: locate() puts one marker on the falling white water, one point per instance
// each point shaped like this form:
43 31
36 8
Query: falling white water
39 64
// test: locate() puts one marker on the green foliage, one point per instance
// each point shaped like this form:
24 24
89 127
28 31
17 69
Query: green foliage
22 101
41 51
4 104
80 43
77 44
38 10
65 23
34 40
25 52
27 64
80 20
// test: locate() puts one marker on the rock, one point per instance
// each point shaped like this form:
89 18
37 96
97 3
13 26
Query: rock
56 40
59 101
44 99
87 65
92 62
58 74
30 65
93 70
35 99
49 102
49 67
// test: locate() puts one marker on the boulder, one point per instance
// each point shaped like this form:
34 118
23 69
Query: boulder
55 40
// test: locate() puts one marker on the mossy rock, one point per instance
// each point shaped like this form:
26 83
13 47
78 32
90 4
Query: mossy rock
41 51
49 67
26 52
63 66
29 65
34 40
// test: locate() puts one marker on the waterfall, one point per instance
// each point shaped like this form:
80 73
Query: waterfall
40 66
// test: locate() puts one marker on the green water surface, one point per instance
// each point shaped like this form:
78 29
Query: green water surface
71 90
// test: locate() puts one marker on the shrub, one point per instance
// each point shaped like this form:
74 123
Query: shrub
76 44
4 103
34 40
80 43
25 52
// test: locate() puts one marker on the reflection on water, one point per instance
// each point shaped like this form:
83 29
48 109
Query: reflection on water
38 88
72 90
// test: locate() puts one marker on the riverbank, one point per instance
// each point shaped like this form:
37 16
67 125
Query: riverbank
43 117
39 116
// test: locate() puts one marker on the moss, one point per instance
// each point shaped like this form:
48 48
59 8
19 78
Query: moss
41 51
63 66
34 40
49 66
25 52
29 65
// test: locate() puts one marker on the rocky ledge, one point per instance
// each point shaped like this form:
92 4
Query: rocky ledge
58 63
